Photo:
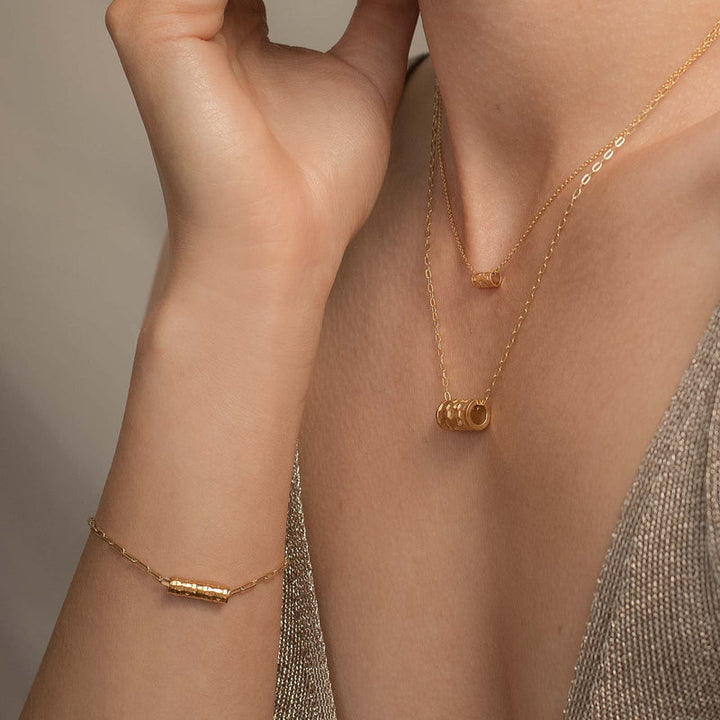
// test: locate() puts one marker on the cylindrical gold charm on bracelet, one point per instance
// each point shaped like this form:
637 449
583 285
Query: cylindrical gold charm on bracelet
200 591
470 415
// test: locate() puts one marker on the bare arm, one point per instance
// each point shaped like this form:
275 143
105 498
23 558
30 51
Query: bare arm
270 159
160 277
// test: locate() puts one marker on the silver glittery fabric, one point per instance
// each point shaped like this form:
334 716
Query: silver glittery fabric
652 643
303 689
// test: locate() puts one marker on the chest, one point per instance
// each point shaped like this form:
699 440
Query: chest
455 571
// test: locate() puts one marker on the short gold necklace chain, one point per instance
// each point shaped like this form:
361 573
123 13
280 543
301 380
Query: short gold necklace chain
473 414
493 278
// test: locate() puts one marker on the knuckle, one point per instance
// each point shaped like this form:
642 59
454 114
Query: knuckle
114 17
127 21
120 18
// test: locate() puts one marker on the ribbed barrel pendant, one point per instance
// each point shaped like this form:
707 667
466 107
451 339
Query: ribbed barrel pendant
200 591
492 279
469 415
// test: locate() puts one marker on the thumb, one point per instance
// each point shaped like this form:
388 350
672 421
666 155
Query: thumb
377 42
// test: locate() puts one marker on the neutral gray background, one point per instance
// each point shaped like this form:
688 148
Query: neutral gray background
81 225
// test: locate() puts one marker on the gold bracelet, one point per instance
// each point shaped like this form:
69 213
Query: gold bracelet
212 592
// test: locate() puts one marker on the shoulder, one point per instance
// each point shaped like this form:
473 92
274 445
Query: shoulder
692 168
413 120
418 92
413 64
708 143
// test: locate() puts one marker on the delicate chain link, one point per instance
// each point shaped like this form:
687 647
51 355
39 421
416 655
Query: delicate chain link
448 204
597 166
598 159
268 576
662 91
120 549
436 125
162 579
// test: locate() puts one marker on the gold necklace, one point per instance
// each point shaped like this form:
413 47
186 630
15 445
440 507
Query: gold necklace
473 414
494 278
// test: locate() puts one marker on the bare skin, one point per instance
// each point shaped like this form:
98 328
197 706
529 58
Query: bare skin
455 572
270 159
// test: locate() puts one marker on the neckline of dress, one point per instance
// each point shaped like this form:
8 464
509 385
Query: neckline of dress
708 342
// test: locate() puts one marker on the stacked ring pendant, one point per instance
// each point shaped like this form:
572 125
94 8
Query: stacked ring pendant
473 414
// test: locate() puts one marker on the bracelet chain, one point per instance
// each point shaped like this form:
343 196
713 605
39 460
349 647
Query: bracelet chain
162 579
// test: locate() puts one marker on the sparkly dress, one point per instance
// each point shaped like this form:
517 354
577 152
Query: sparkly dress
651 647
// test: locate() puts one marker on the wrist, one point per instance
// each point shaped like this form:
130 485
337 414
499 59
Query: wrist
248 303
238 269
268 337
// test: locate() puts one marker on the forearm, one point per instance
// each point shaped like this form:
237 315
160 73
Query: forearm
198 488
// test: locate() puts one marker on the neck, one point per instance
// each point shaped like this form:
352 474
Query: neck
532 88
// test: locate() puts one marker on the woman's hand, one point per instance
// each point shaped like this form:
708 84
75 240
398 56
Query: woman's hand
266 153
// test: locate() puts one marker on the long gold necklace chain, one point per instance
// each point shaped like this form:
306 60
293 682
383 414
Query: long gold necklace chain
494 278
473 414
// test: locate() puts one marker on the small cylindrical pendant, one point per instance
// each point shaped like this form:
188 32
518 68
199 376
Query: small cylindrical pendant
470 415
492 279
200 591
